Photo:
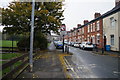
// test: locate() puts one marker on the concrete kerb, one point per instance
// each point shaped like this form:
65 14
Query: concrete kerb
64 65
106 53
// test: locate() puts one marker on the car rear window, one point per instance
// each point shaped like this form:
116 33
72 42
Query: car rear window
89 43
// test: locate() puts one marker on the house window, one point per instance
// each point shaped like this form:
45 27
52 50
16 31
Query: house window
98 25
98 39
88 29
112 39
82 38
82 30
91 28
112 22
88 38
93 39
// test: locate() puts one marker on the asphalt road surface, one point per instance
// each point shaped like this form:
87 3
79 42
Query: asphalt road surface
85 64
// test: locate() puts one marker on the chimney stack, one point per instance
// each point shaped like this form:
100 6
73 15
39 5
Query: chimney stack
78 25
117 2
96 15
86 21
74 28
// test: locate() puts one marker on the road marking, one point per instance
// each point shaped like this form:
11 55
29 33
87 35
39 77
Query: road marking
71 68
116 72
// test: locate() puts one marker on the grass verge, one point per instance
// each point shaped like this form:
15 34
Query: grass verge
8 43
9 55
5 71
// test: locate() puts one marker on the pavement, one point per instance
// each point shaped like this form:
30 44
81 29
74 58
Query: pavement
110 53
47 65
86 64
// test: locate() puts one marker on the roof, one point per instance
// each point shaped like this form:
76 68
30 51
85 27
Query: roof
114 10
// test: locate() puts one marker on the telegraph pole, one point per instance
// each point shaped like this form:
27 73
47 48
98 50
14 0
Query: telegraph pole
31 37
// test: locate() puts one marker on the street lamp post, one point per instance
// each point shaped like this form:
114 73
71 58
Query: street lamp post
31 37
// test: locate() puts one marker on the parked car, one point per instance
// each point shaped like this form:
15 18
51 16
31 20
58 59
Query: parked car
59 45
86 45
69 43
55 42
77 44
65 42
72 43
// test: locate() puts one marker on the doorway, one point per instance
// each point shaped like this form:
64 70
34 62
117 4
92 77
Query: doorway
119 44
104 42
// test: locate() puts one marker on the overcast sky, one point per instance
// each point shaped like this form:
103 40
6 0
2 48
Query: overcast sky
76 11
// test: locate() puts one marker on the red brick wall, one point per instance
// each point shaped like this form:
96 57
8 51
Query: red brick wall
91 34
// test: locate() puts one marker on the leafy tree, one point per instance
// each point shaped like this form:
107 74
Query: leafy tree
48 16
17 18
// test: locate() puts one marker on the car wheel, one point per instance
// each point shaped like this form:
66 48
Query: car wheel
92 49
83 48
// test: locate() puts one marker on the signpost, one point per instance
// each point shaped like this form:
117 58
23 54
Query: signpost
63 33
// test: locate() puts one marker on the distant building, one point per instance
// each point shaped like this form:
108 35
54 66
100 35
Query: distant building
52 37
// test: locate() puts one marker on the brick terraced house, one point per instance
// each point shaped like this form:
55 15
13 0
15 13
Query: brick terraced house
94 31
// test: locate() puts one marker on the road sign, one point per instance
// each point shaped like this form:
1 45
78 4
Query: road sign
63 33
63 27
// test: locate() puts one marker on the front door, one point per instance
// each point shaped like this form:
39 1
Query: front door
105 42
119 43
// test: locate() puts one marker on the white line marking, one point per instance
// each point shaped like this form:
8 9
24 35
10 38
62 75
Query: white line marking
72 69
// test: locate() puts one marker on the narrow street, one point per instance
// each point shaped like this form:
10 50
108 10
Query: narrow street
85 64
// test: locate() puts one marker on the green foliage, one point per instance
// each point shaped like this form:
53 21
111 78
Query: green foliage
23 43
7 43
17 16
40 41
9 55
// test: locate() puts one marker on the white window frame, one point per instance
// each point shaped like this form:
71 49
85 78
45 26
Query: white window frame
112 22
98 25
88 28
80 32
112 40
93 39
83 30
98 39
93 26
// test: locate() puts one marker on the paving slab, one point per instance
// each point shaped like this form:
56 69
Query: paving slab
47 66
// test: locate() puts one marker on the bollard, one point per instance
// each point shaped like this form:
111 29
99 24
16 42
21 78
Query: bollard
102 50
68 49
96 49
65 48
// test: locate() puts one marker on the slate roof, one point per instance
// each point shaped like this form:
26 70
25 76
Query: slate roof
112 11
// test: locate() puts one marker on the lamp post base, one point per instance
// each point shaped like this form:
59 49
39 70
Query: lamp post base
31 68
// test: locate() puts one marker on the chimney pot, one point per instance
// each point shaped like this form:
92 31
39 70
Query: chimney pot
97 15
117 2
78 25
86 21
